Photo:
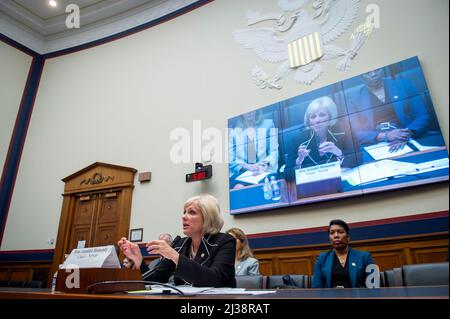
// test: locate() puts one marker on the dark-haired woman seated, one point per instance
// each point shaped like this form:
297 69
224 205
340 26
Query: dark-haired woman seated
341 267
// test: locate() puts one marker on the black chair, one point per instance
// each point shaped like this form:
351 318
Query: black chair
33 284
287 281
310 281
16 283
432 274
251 282
4 283
382 279
388 278
393 278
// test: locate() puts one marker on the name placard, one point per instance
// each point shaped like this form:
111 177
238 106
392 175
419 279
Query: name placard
94 257
318 173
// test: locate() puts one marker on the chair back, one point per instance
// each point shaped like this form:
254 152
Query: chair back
251 282
16 283
33 284
393 277
431 274
287 281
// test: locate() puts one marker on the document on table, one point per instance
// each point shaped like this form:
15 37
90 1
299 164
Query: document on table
421 147
377 171
235 291
156 289
191 291
382 170
381 150
248 177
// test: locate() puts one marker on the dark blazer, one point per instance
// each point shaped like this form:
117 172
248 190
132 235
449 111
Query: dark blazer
213 265
357 262
341 139
408 105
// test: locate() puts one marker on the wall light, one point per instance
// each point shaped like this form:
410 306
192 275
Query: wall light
52 3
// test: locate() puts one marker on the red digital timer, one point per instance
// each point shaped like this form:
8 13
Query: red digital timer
204 173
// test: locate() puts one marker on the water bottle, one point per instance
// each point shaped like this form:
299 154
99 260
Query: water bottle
55 276
267 189
276 195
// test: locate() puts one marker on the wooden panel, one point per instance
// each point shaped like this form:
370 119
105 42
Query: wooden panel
41 274
19 274
295 265
429 255
105 235
79 233
39 271
84 212
388 253
4 275
99 176
388 259
109 211
265 267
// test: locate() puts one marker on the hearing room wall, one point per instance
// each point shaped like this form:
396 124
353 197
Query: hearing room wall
119 102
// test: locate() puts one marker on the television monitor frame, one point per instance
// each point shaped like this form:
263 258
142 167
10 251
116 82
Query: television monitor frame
388 137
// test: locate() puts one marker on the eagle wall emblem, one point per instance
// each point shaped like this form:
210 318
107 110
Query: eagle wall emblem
298 41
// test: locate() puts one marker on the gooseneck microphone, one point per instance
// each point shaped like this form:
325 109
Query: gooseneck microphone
108 286
151 271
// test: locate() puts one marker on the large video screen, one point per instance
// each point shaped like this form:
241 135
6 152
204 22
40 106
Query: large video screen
374 132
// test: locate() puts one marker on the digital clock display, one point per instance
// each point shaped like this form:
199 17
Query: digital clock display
204 173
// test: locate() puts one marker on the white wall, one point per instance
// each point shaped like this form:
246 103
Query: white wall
118 103
13 76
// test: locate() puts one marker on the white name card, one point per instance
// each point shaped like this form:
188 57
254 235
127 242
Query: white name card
81 244
95 257
318 173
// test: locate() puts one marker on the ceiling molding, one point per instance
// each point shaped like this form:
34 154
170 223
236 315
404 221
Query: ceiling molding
101 20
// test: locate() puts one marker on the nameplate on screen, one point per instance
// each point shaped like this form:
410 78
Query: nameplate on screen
318 173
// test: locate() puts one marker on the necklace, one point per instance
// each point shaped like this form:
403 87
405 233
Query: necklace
342 260
306 143
193 252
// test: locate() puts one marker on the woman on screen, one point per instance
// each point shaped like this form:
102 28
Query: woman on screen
253 147
245 264
319 144
341 267
204 258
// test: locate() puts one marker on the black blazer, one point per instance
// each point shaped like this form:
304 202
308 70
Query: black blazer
342 140
213 265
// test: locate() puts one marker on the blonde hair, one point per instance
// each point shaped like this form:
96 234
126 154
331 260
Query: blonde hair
209 206
322 102
245 251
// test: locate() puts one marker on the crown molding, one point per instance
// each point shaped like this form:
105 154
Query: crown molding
88 32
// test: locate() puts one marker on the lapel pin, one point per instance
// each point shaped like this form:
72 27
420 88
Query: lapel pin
353 264
202 255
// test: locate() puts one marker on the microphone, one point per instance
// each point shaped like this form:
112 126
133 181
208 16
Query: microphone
151 271
120 285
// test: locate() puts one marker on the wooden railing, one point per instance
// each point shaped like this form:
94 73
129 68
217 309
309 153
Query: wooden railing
387 252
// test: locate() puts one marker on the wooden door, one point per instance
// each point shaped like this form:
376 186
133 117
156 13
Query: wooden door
95 219
107 219
96 208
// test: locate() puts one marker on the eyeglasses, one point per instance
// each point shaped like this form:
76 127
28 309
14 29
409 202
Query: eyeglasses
313 116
